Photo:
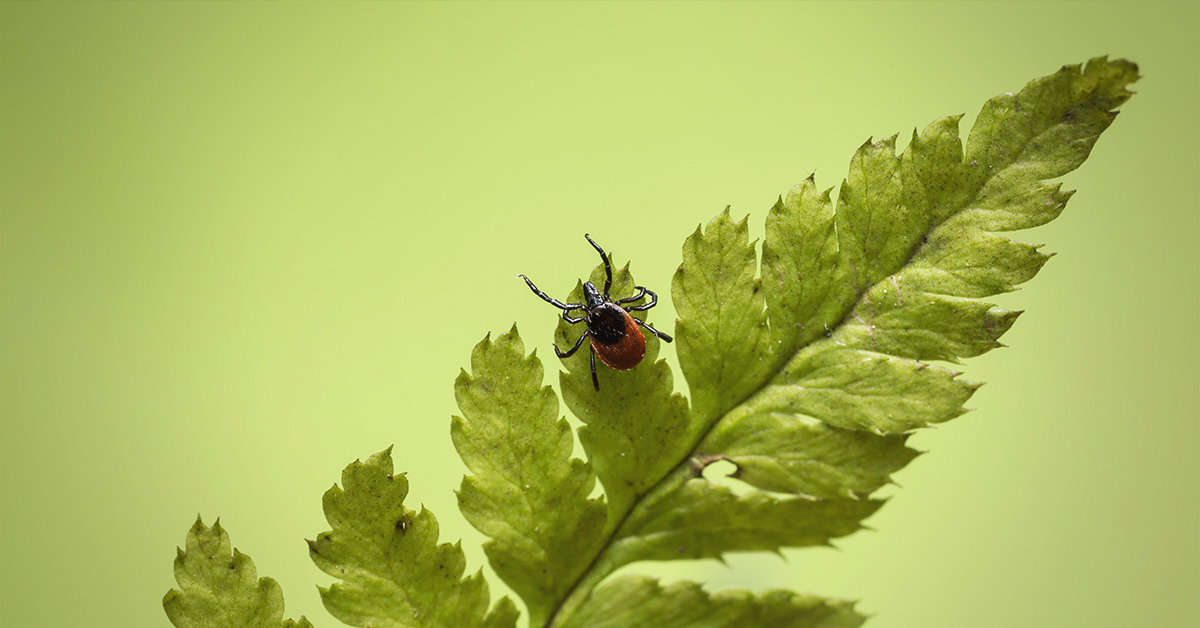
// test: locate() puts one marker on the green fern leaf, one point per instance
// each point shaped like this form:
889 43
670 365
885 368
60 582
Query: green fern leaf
787 453
808 371
219 587
527 493
706 520
393 572
808 368
722 330
917 245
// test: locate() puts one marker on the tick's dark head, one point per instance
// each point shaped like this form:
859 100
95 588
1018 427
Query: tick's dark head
592 295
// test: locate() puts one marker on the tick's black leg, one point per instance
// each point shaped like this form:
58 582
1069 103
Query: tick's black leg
642 292
549 299
573 349
595 382
607 266
645 306
652 330
573 320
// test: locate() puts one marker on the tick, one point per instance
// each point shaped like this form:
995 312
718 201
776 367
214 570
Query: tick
614 333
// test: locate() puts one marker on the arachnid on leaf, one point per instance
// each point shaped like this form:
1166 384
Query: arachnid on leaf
614 333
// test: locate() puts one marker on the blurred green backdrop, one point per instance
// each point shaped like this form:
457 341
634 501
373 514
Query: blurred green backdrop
245 244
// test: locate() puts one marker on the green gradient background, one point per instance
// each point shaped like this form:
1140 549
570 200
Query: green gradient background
245 244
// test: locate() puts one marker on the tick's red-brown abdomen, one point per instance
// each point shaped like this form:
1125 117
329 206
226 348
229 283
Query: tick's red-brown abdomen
627 352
